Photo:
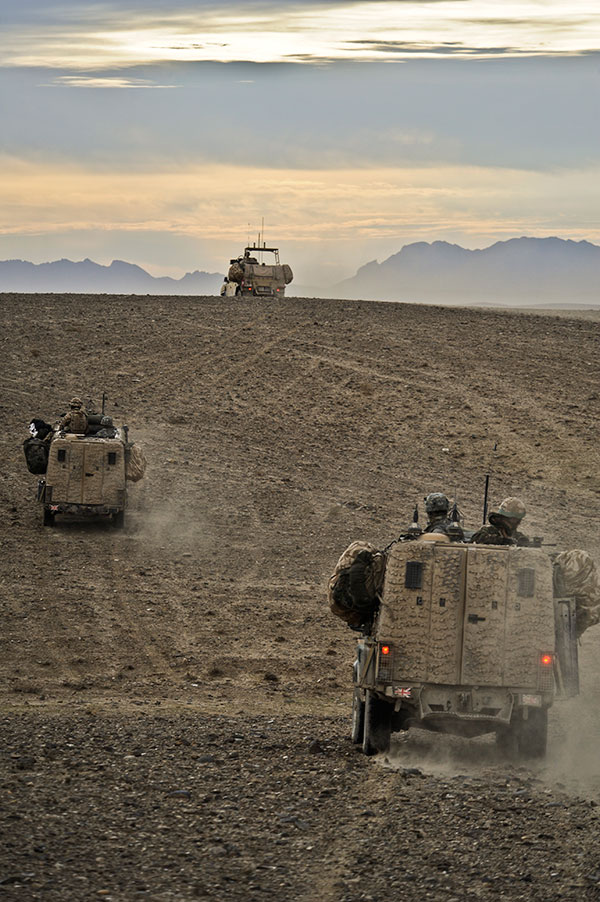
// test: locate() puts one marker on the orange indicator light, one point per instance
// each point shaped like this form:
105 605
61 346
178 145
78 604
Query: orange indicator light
546 659
385 649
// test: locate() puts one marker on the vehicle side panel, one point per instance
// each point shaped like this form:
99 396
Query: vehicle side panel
405 614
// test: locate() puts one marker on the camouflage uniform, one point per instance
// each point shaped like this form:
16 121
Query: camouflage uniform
502 529
75 420
442 525
436 507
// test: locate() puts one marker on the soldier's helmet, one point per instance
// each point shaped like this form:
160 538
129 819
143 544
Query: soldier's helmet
75 403
512 508
436 503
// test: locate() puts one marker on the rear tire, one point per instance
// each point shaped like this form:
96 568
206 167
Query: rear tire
378 725
358 718
119 520
48 517
532 735
525 739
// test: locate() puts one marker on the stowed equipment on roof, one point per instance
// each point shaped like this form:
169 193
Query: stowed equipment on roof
355 588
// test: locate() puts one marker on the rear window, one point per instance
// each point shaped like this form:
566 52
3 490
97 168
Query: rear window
413 578
526 586
61 454
112 457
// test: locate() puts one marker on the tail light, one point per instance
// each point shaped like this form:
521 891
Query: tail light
546 671
385 668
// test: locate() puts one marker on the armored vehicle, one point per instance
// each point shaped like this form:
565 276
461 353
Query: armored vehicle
467 639
86 475
250 276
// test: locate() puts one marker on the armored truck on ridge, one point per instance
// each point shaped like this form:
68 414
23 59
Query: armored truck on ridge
248 276
467 639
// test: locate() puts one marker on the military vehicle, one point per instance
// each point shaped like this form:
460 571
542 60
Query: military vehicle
467 639
249 276
84 475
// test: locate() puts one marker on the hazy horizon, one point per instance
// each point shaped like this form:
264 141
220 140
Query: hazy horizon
162 135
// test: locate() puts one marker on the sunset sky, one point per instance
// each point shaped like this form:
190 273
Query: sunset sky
161 133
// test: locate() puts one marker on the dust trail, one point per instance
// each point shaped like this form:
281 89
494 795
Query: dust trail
174 526
574 750
443 755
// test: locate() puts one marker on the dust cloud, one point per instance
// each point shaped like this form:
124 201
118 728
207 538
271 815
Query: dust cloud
573 760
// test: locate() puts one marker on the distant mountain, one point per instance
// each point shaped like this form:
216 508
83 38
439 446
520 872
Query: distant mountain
530 271
87 277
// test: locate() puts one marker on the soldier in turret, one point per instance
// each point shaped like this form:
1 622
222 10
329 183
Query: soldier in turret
437 506
502 528
75 420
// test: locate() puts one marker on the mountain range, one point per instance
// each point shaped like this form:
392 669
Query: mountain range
521 271
87 277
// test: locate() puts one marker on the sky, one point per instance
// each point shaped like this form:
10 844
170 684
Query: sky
164 133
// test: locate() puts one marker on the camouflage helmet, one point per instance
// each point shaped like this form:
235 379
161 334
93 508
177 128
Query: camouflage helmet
511 508
75 402
436 502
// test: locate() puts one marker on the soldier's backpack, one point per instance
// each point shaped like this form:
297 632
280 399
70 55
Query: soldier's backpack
135 463
354 587
36 455
579 577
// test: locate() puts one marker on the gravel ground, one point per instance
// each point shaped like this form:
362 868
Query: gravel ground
175 696
184 806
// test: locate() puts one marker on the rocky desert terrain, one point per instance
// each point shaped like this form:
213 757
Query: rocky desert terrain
174 717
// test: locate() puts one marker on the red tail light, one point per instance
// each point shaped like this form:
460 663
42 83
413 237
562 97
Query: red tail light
385 649
546 660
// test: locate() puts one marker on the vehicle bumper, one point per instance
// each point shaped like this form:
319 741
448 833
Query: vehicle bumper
83 510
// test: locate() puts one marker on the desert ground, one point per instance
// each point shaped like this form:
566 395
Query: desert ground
174 717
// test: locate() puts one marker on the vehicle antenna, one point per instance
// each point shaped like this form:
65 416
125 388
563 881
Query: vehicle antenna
486 490
103 401
454 511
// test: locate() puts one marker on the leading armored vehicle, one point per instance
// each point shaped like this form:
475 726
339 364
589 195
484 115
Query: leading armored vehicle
250 276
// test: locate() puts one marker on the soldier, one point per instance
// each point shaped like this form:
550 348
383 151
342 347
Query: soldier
503 525
438 521
75 420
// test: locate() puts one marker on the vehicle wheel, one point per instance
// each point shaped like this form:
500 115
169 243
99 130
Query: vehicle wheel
507 742
119 520
358 717
378 725
532 734
48 517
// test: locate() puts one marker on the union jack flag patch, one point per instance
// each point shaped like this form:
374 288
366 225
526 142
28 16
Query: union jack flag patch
402 692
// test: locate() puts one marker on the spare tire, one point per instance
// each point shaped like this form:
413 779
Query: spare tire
288 275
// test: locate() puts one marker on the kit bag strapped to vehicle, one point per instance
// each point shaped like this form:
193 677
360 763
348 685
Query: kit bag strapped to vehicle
354 587
578 578
135 463
36 455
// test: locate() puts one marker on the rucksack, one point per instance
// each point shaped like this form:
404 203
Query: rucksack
356 583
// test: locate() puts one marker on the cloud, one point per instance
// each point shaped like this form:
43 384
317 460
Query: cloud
516 113
99 35
96 81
